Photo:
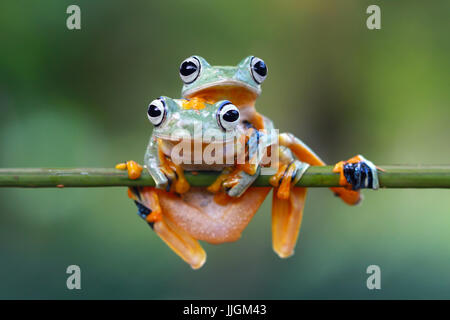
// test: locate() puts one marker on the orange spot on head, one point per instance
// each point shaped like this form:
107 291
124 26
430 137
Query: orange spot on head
240 96
194 104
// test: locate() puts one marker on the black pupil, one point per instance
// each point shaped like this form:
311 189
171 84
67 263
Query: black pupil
260 68
231 115
153 111
187 68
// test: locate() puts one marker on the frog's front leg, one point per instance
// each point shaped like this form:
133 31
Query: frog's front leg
166 174
359 172
152 162
149 209
235 181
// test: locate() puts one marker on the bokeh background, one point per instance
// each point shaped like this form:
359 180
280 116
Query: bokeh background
79 99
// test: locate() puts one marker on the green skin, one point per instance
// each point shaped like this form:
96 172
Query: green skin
212 76
179 122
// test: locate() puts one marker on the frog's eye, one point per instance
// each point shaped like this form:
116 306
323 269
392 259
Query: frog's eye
228 116
189 70
156 112
259 70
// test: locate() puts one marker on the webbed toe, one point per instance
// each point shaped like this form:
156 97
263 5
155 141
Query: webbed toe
357 173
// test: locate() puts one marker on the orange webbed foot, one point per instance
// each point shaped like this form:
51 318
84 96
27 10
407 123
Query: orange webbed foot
286 177
134 169
182 243
357 173
175 175
147 201
234 182
180 184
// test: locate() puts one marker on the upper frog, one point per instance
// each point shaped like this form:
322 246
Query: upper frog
240 84
198 75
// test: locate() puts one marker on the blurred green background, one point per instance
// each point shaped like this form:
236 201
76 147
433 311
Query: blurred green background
79 99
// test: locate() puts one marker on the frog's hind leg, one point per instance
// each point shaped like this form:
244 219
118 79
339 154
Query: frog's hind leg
188 248
287 207
287 217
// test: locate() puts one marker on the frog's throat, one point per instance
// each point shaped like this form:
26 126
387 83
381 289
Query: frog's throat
222 84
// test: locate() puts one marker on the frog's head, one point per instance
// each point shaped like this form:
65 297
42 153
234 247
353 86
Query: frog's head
241 84
178 119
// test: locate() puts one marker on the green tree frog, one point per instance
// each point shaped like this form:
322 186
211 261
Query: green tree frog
181 215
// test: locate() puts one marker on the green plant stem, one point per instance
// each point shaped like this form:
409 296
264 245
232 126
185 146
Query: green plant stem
390 177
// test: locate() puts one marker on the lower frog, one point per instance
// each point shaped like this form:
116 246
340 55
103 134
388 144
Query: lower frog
181 215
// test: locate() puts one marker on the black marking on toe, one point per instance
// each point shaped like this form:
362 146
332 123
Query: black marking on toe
143 212
284 174
293 176
169 184
136 192
352 175
370 180
357 173
295 172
